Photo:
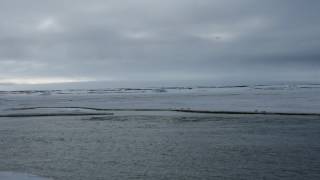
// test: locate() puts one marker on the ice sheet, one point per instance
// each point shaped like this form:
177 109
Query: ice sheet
301 98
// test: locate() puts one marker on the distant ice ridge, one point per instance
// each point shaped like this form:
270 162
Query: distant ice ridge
190 89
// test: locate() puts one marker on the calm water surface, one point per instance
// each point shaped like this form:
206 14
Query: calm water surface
162 147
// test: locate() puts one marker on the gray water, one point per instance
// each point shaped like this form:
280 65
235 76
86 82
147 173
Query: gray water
162 147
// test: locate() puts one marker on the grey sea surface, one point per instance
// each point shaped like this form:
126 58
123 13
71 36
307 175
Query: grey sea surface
127 133
162 146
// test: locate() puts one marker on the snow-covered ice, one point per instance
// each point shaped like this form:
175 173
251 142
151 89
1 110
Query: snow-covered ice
300 98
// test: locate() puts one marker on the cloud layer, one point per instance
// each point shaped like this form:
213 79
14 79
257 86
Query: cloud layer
165 40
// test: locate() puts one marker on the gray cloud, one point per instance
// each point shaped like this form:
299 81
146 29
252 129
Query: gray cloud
167 40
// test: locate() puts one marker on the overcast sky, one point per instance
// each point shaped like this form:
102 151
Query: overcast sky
49 41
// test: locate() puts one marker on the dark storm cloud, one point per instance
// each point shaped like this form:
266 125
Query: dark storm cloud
66 40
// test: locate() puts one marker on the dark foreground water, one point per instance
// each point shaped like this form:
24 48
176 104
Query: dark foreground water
162 147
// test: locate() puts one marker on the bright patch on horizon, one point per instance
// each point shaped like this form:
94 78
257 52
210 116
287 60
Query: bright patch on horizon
35 81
